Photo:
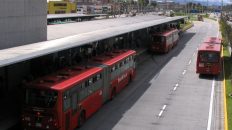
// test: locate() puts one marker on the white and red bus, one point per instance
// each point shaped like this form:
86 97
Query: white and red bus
164 41
209 58
65 99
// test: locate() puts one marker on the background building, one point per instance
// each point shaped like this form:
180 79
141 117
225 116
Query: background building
61 7
22 22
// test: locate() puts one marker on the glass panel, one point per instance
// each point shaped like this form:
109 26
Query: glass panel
209 57
40 98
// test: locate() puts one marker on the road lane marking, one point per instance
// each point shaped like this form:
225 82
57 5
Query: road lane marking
194 54
211 106
190 62
184 72
164 107
176 85
174 89
162 110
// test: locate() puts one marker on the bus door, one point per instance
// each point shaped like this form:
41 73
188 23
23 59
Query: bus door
106 81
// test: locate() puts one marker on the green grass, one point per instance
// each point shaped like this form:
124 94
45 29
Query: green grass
228 79
186 26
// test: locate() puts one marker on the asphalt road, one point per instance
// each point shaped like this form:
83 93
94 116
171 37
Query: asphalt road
167 94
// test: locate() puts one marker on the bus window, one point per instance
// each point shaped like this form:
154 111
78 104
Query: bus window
74 102
66 101
40 98
98 77
158 39
209 57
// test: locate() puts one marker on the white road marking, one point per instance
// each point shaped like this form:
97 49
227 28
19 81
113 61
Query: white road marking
162 110
194 54
211 106
164 107
190 62
176 85
174 89
184 72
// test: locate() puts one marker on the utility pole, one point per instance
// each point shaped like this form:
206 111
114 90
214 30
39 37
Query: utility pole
222 6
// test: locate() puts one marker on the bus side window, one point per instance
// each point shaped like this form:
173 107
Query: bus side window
74 103
66 101
82 93
98 77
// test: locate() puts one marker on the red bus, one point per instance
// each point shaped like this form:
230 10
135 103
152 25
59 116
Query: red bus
65 99
164 41
214 40
209 58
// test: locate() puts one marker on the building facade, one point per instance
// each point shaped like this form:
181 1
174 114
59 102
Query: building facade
61 7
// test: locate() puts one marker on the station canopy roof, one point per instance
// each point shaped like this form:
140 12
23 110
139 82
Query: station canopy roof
66 36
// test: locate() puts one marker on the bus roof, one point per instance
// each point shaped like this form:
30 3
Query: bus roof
213 40
113 57
65 78
210 47
165 33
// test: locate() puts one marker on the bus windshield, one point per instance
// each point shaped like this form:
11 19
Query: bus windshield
210 57
40 98
158 39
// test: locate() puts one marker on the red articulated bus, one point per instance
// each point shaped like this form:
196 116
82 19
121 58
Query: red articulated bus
164 41
65 99
209 57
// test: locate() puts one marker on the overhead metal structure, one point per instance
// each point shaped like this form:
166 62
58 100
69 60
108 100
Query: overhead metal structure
26 52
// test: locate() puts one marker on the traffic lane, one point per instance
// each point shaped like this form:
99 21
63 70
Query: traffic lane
189 105
189 108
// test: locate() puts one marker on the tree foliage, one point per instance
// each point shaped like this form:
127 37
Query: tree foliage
226 32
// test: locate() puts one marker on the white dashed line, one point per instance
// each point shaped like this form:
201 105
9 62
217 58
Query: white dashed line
176 85
164 107
162 110
184 72
190 62
174 89
194 54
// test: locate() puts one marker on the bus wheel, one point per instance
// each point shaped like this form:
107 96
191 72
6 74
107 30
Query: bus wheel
81 119
113 94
